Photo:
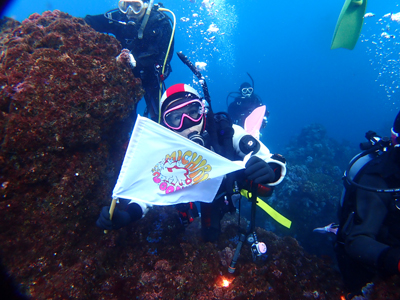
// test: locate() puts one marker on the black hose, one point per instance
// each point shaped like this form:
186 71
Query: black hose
252 81
253 200
210 115
232 267
230 95
196 72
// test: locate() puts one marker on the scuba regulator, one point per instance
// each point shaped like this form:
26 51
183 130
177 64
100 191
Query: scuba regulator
374 140
258 249
375 146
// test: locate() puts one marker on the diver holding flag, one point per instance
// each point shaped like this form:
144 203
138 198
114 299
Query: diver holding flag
180 167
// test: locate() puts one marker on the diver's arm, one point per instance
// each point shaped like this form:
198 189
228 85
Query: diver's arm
99 23
361 243
243 143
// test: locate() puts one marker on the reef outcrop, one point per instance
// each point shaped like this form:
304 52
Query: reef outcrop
66 108
310 193
65 115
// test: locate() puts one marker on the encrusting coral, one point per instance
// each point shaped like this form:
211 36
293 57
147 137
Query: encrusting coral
66 111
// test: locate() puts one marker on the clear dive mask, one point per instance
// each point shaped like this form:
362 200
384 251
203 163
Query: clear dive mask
135 6
246 92
192 110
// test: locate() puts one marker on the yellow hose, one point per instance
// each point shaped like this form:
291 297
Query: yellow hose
269 210
166 57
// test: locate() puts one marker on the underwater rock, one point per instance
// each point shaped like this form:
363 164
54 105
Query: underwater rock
65 114
310 193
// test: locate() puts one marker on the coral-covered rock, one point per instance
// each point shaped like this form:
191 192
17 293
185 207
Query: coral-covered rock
310 193
65 105
174 267
65 113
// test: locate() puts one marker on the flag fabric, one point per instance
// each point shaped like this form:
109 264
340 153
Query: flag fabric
163 168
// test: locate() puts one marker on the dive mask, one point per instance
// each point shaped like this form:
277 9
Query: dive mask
135 6
247 91
192 110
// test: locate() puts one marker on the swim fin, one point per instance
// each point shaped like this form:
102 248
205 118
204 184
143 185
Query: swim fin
253 122
349 24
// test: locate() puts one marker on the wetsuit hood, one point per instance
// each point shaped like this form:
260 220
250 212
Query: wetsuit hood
244 85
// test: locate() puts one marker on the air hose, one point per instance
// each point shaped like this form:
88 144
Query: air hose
210 114
166 57
145 19
232 267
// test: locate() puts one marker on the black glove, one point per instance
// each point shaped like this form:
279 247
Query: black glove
259 171
120 219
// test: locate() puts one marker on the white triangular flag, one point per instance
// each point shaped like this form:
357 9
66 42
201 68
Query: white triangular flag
163 168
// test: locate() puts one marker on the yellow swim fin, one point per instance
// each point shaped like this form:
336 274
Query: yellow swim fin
349 24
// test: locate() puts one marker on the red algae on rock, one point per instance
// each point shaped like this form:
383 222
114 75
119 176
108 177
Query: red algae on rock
65 106
65 113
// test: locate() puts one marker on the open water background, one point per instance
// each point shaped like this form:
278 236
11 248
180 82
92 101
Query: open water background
286 49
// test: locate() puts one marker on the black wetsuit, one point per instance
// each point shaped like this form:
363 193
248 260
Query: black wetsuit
232 141
242 107
148 52
369 239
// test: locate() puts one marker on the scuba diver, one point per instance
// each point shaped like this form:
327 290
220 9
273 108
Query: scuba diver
183 111
244 104
147 32
368 237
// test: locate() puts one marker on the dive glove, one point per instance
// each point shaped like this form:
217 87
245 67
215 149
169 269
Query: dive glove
120 219
258 171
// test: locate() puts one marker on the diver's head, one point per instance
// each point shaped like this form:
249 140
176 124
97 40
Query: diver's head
396 130
133 9
182 110
246 89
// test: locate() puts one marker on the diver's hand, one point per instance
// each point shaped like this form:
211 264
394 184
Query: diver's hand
120 219
258 171
127 58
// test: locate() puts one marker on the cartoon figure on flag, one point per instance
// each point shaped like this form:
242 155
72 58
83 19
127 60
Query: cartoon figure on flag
177 171
193 155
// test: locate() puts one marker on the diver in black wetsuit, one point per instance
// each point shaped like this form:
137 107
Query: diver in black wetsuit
368 239
146 31
184 112
245 102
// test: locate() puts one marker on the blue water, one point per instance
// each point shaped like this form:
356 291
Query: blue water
285 46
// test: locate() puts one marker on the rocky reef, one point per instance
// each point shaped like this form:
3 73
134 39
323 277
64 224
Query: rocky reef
310 197
66 109
310 193
65 115
65 118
